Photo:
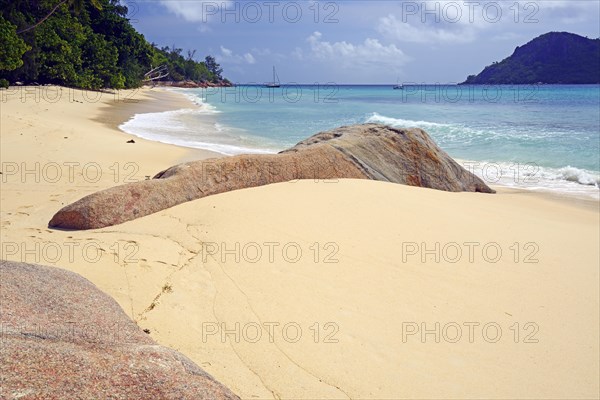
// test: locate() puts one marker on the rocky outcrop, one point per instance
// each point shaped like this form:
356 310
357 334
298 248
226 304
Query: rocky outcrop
369 151
62 338
188 84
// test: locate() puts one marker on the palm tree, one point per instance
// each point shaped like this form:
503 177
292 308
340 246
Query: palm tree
76 4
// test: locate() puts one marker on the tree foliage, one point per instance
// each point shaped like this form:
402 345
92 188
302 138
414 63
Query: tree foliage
12 46
87 44
213 67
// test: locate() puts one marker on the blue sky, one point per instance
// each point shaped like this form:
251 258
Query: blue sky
365 41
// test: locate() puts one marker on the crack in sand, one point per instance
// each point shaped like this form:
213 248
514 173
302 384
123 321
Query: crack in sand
179 266
273 392
128 290
254 312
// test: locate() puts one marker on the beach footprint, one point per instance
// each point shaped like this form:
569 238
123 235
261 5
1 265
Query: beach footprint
21 210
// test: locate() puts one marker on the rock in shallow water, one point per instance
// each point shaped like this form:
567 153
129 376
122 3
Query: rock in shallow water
368 151
62 338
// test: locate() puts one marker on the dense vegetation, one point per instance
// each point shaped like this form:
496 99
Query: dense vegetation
555 57
87 44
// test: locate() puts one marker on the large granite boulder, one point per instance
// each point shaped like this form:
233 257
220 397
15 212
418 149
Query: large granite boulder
368 151
62 338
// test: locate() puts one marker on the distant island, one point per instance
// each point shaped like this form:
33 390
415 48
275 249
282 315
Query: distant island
553 58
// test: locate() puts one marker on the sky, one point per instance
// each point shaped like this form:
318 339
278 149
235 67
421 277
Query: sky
357 41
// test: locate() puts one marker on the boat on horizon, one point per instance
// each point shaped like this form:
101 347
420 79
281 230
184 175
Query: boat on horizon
398 86
275 83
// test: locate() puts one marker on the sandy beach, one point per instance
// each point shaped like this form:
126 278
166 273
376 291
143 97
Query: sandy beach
313 289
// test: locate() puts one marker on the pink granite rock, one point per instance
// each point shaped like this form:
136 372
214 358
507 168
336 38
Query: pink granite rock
62 338
369 151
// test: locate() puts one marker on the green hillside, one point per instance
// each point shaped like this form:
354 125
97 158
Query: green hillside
555 57
86 44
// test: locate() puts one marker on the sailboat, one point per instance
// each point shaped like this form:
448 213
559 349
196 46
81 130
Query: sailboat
275 83
398 86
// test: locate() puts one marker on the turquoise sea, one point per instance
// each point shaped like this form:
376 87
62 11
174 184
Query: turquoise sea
537 137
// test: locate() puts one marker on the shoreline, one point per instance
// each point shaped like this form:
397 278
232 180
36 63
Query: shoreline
206 133
353 281
570 200
156 100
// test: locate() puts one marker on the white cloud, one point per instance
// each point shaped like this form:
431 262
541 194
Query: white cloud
450 21
370 52
226 52
395 29
228 56
249 58
197 10
444 21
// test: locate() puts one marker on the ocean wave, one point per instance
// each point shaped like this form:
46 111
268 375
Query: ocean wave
140 123
530 176
445 133
573 174
397 122
203 107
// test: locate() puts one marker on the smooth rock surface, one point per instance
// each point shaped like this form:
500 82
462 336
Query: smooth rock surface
62 338
368 151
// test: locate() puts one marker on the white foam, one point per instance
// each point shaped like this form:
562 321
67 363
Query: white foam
566 180
572 174
397 122
139 123
203 106
190 128
225 149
